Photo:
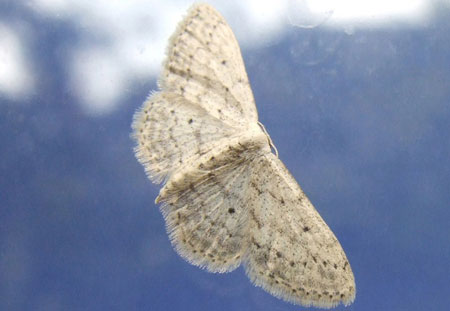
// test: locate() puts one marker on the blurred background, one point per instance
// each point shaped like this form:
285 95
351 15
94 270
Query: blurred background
355 95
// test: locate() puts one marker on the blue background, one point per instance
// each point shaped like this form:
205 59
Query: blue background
362 121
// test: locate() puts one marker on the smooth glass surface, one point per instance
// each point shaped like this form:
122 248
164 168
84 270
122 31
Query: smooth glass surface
358 109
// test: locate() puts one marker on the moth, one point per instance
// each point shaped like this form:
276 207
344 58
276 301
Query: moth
227 199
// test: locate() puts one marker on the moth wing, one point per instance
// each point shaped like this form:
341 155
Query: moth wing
204 65
292 252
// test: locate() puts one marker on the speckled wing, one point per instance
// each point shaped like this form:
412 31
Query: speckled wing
205 96
204 65
227 199
205 205
172 132
292 253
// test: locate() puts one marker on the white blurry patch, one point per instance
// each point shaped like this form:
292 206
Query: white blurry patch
15 75
255 22
97 79
51 6
369 13
303 15
122 40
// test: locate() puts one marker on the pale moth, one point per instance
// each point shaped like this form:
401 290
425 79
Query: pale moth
227 199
